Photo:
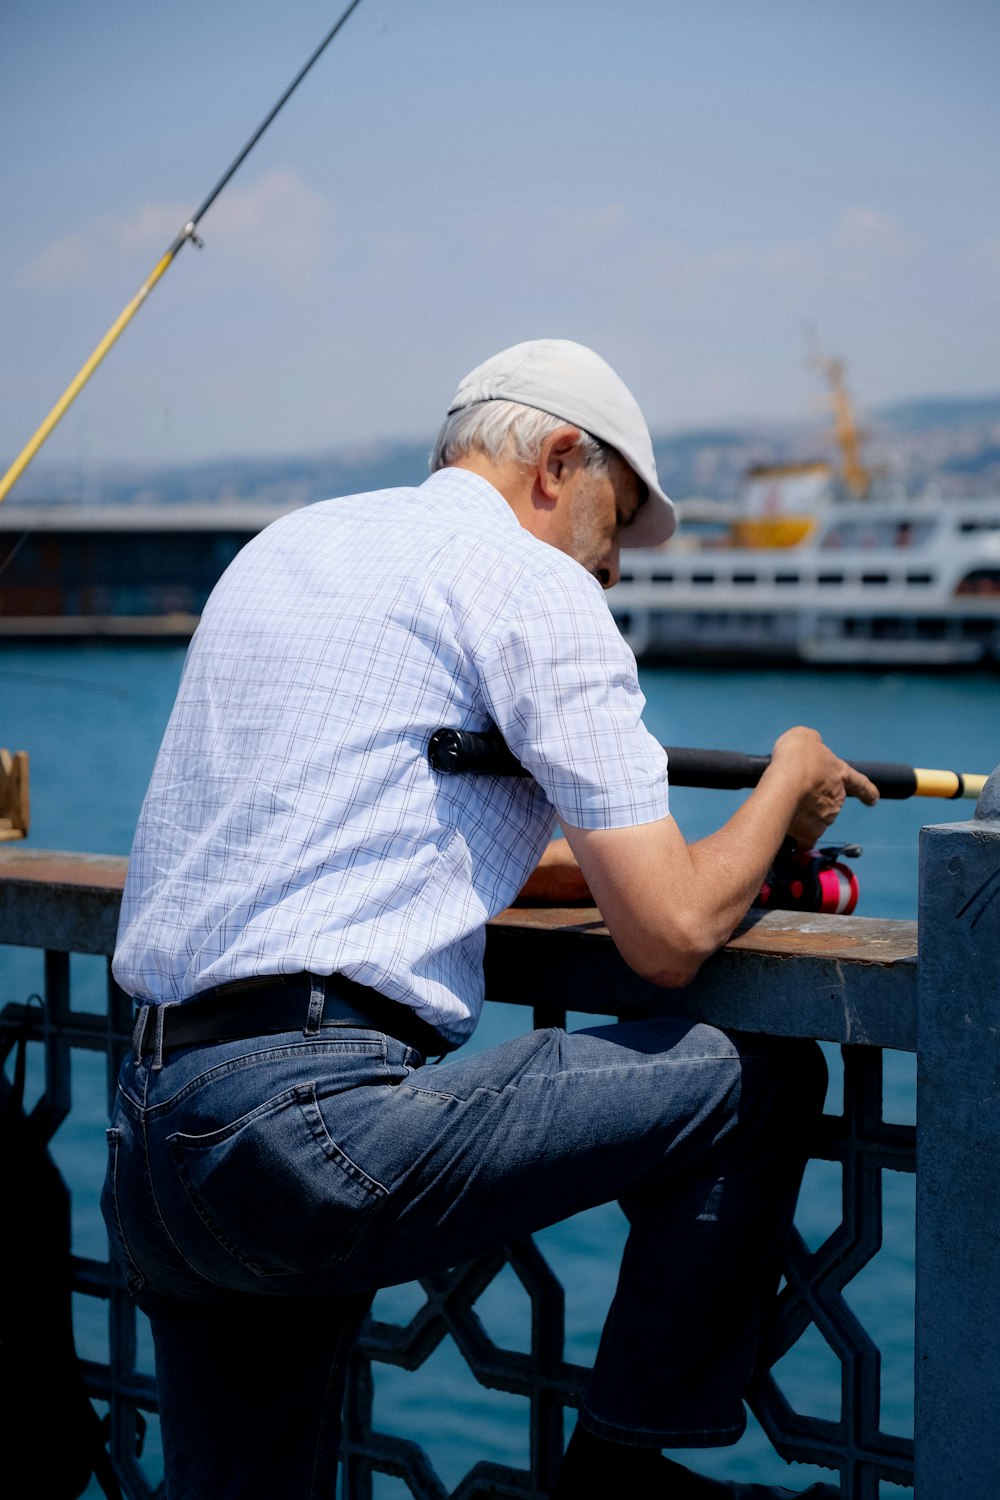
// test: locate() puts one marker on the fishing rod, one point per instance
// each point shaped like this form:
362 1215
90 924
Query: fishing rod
454 750
125 317
799 879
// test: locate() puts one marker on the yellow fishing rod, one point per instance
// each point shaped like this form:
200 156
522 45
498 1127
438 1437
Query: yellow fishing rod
125 317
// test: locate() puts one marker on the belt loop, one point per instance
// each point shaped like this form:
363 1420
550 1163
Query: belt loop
317 1000
158 1038
139 1033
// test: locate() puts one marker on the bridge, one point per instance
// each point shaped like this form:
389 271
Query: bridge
869 987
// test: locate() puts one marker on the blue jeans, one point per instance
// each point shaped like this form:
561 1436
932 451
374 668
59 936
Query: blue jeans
259 1192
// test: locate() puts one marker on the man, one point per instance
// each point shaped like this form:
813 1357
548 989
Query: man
303 929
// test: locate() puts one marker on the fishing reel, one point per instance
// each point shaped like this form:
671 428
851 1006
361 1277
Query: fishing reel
811 879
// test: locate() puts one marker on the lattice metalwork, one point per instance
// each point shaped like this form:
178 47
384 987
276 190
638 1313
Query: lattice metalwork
128 1391
549 1383
855 1446
864 1144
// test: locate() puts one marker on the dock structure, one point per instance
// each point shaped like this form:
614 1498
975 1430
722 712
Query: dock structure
864 985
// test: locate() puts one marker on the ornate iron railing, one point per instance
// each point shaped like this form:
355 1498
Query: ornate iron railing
843 980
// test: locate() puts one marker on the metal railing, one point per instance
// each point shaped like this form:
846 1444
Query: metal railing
853 982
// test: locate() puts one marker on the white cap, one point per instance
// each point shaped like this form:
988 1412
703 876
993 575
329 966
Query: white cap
570 381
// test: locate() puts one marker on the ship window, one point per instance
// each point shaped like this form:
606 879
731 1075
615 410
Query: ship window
830 578
867 534
919 578
702 577
625 578
980 581
663 577
971 526
744 577
786 577
874 578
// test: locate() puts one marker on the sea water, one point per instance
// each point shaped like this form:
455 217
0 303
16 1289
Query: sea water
91 717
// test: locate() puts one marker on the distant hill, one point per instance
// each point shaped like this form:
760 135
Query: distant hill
287 479
948 444
938 411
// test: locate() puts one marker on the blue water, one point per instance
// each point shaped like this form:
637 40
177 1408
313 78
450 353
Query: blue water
91 717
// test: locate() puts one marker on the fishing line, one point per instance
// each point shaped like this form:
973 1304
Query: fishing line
187 233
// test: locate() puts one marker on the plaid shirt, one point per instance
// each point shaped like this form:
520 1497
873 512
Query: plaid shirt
293 822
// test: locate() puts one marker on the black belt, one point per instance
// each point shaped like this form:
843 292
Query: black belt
280 1002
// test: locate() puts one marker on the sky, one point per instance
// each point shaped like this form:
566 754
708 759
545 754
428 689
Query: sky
686 185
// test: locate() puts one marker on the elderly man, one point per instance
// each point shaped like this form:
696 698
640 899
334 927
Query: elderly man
303 930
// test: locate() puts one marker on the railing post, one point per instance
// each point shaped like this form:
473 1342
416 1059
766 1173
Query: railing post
958 1147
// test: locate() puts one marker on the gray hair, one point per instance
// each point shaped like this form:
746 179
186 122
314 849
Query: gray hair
506 429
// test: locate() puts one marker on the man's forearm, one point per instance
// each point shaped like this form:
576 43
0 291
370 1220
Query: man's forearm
669 905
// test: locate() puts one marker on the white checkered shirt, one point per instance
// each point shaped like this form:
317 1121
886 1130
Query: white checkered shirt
293 822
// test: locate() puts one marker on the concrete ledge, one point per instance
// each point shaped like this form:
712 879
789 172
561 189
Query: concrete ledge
841 979
65 902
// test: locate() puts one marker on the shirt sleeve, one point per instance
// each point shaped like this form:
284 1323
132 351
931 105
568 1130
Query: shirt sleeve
562 687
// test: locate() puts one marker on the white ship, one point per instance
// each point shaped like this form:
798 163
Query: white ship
817 567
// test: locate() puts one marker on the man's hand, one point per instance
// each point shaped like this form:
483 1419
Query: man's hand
556 880
669 904
828 782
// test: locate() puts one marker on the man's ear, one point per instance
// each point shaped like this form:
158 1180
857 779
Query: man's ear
555 460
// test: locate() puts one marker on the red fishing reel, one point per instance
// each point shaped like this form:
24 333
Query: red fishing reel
812 879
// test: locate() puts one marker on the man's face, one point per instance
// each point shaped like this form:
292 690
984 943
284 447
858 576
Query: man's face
598 511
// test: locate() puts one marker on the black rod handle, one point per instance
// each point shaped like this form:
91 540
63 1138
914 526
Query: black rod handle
483 752
486 753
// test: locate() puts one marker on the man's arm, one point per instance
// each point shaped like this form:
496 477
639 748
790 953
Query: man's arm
668 904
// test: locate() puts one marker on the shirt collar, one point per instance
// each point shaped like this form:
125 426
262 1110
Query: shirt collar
472 492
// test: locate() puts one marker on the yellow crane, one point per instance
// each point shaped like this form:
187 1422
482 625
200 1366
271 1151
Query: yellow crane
856 477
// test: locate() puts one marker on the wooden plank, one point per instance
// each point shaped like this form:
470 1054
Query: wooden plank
55 867
817 934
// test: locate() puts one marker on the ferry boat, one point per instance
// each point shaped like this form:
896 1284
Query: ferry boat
879 583
822 568
793 573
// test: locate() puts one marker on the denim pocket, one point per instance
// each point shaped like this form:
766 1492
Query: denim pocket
274 1190
134 1279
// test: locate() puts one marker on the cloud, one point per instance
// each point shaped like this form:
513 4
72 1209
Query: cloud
858 250
277 226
